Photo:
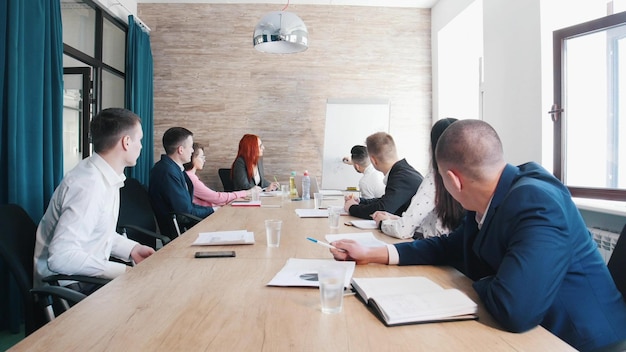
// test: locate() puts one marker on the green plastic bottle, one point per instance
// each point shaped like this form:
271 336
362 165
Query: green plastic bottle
293 191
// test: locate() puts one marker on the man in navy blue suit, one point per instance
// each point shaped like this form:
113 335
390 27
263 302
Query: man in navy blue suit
523 242
171 190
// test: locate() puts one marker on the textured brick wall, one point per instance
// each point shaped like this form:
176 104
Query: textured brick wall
208 78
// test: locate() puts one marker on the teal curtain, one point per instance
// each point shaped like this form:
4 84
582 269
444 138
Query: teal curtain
31 113
31 97
139 95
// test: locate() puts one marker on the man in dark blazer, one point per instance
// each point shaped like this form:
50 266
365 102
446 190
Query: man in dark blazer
171 190
523 241
402 180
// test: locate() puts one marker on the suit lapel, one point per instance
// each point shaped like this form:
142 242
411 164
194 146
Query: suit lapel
509 174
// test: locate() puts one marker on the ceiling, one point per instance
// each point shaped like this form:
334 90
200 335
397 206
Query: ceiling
377 3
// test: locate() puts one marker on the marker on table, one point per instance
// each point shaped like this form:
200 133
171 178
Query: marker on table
324 244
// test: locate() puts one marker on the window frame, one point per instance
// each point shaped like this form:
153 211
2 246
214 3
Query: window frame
559 38
96 62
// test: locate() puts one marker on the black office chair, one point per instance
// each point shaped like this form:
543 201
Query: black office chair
136 217
17 247
617 263
227 181
183 222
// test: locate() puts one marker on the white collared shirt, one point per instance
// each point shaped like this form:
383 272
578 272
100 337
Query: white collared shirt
76 235
371 185
480 221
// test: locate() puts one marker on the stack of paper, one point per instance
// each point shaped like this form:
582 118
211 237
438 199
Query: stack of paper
331 192
271 194
246 203
316 213
312 213
224 238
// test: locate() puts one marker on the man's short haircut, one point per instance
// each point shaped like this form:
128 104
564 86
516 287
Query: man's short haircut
174 137
359 155
470 146
381 146
109 126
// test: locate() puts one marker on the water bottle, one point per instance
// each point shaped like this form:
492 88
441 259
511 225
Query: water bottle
293 191
306 186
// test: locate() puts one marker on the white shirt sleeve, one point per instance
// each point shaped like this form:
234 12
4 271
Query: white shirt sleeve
84 235
394 257
422 207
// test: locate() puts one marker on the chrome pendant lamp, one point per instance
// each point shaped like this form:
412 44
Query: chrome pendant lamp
280 32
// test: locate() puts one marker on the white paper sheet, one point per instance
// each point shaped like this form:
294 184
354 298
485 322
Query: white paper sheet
224 238
312 213
303 272
315 213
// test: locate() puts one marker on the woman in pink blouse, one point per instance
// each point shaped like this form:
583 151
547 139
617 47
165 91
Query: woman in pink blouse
203 195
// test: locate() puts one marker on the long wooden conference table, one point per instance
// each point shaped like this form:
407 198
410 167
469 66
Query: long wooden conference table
174 302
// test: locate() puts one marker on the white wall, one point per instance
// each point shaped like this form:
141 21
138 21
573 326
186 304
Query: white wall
512 76
511 71
459 55
442 14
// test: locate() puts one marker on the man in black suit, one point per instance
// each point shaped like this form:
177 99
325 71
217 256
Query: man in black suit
402 180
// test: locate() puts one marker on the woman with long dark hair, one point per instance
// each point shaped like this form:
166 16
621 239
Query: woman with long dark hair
432 211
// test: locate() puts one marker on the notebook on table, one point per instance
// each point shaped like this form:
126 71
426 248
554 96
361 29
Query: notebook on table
413 300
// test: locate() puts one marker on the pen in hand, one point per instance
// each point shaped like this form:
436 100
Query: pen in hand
277 183
324 244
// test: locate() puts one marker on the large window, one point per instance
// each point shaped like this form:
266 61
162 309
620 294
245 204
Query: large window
590 107
94 47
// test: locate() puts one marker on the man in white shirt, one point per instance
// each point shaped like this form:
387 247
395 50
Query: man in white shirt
371 185
76 235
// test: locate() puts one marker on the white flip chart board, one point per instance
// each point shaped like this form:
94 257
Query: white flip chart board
348 123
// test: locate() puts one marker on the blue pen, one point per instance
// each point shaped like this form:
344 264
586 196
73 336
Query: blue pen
324 244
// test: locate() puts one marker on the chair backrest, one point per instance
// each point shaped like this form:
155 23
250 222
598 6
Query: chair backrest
617 263
17 247
227 181
136 209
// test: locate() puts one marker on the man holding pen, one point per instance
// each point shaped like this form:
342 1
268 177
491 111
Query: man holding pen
523 242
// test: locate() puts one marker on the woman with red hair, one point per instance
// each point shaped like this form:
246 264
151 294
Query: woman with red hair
247 170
